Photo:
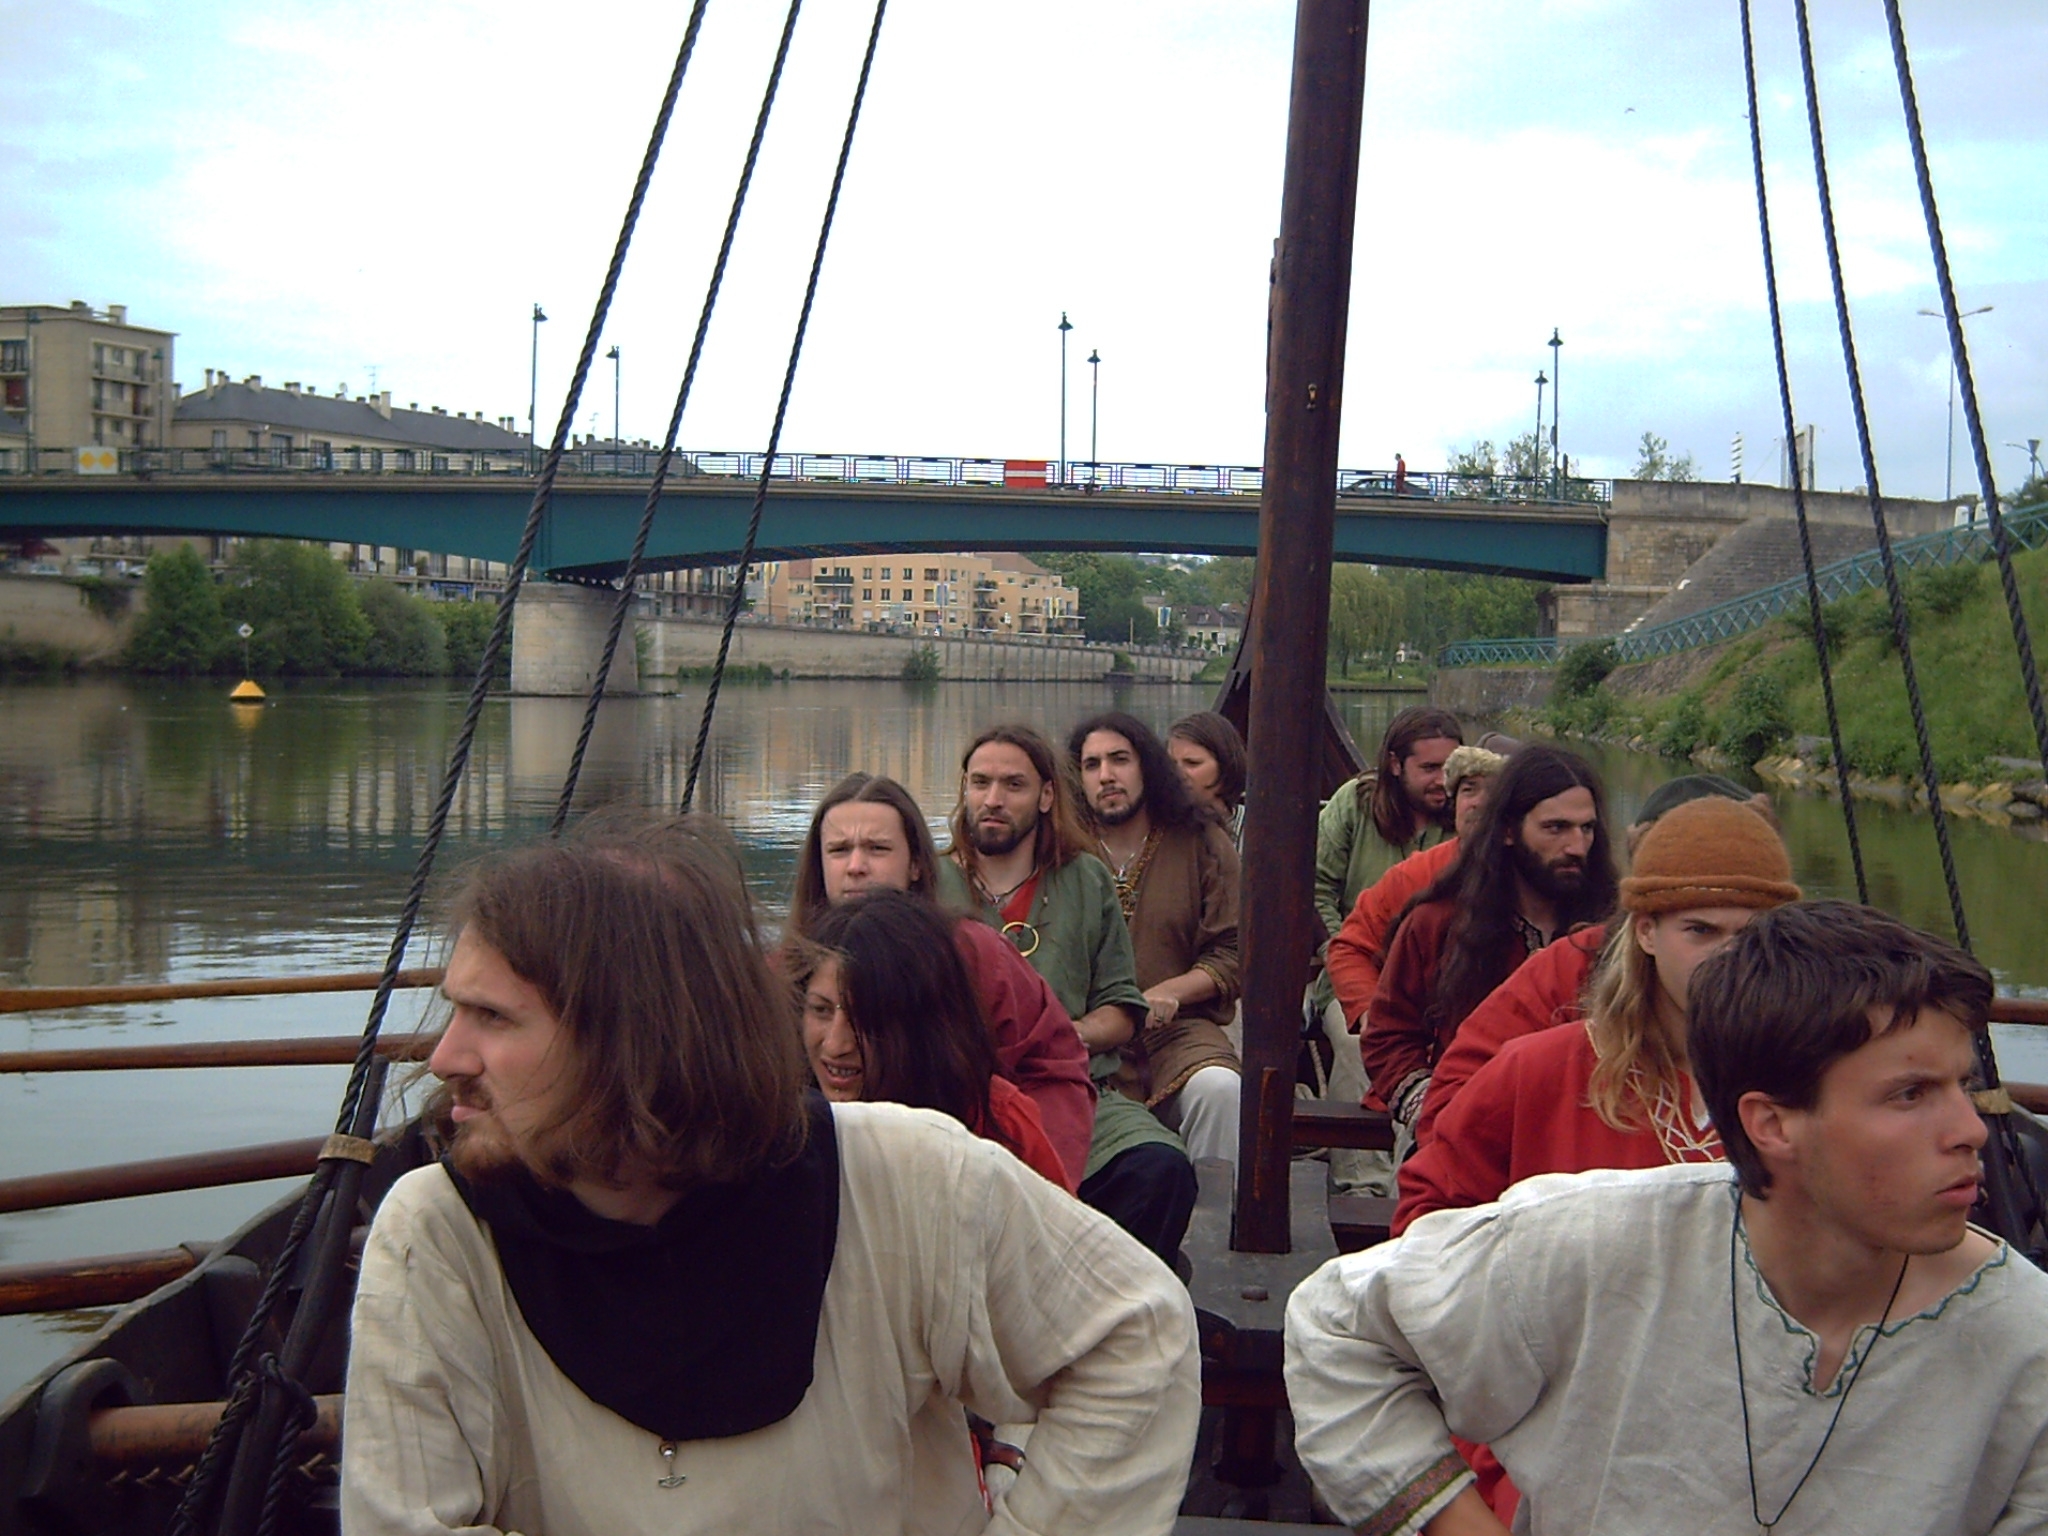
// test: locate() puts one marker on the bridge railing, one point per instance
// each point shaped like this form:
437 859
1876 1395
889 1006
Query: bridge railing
636 463
1967 542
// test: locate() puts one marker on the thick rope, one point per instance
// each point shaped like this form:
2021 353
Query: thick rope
358 1111
796 347
1930 778
2001 549
1813 605
624 605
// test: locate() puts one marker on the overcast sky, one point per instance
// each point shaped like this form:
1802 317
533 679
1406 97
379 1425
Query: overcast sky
315 190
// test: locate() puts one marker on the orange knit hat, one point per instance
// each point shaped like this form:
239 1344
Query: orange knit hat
1711 852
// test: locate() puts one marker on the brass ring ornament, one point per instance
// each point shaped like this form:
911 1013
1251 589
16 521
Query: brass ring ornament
1024 936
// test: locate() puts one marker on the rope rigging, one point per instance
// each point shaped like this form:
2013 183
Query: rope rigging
1813 604
255 1446
2012 1196
2001 549
796 347
1930 778
624 603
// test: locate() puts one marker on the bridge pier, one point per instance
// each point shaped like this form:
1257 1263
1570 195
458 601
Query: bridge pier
558 634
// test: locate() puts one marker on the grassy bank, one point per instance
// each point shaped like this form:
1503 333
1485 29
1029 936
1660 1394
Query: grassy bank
1763 691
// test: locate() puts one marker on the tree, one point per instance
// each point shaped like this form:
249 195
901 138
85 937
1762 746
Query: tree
182 630
302 605
406 639
1654 461
1111 608
467 627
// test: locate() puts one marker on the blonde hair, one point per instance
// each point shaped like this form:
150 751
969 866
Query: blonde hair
1632 1059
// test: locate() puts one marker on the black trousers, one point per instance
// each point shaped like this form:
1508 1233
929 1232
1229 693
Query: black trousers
1149 1191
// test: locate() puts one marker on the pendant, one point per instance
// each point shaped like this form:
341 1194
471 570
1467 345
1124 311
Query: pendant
674 1479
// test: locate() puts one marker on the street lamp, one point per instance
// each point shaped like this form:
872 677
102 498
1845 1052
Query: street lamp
1064 328
533 388
1094 409
614 356
1948 484
1556 389
1536 437
2032 449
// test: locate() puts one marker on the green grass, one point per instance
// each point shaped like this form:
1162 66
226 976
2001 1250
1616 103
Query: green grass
1963 654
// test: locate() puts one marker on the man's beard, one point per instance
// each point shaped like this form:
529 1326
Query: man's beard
1117 815
479 1147
1563 882
1001 837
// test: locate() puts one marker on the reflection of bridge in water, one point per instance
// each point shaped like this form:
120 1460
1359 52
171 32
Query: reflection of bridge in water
818 504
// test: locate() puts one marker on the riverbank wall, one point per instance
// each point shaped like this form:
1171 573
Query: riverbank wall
50 622
1485 692
558 639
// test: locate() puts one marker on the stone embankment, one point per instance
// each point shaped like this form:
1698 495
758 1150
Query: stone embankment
1484 692
2021 798
53 621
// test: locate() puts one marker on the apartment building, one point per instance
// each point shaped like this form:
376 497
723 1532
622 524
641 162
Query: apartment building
295 426
72 376
943 594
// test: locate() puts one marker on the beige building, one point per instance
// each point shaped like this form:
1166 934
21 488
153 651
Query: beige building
72 376
294 426
949 594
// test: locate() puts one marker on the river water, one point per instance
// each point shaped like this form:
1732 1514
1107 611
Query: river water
151 832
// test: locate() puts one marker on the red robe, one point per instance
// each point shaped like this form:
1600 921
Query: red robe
1037 1045
1399 1039
1017 1116
1359 949
1542 992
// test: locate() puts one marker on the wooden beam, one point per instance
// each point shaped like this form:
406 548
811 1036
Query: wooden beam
162 1175
168 1432
109 1280
313 1051
37 999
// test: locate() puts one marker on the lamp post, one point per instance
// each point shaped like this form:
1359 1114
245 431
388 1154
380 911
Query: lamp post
2032 449
1536 437
1948 483
1094 410
533 383
1064 328
614 356
1556 389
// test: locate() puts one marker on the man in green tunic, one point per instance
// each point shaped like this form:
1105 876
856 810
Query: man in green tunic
1020 862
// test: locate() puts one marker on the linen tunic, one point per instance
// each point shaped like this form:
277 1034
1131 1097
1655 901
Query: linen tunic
1185 918
1581 1328
960 1277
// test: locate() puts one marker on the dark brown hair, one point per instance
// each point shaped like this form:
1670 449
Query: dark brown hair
807 897
1393 813
1800 988
1481 880
1061 832
1215 735
1169 802
924 1040
639 935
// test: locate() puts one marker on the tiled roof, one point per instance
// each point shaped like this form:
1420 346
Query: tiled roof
284 410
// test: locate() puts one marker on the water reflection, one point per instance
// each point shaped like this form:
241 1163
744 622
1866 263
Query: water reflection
153 833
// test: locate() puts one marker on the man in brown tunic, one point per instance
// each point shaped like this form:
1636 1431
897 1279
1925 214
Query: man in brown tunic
1176 878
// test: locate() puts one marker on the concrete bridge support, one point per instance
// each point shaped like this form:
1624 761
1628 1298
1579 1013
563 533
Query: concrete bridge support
558 637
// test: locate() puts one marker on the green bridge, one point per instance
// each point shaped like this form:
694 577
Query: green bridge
818 505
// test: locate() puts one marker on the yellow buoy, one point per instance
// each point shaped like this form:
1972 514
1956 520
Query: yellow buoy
246 692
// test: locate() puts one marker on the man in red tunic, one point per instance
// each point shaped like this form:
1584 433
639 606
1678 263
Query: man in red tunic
1537 866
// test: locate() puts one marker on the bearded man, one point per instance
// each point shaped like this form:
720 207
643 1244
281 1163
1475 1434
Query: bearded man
656 1278
1537 866
1020 861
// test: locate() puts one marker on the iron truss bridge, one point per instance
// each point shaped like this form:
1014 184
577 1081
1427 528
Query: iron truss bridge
2026 529
824 468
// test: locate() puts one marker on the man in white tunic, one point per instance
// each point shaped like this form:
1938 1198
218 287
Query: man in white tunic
1813 1341
655 1286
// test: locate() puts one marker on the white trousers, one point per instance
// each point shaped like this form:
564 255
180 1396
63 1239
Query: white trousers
1352 1173
1204 1112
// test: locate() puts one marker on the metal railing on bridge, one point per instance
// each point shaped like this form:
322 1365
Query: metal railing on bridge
2025 529
865 469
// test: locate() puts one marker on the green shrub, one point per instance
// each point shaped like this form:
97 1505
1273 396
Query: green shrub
466 626
406 639
922 665
1686 729
182 630
1942 591
1583 669
1120 661
1757 720
307 614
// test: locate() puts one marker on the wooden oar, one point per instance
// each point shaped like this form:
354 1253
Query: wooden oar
313 1051
108 1280
36 999
165 1432
162 1175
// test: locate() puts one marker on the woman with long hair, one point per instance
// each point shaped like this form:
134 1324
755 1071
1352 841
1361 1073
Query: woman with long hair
888 1013
1210 755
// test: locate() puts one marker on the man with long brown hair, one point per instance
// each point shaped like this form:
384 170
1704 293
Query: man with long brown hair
1397 807
1537 866
655 1272
1020 861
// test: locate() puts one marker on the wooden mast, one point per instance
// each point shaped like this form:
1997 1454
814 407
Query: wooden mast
1290 612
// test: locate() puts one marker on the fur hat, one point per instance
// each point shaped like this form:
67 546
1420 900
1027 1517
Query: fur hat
1465 762
1709 852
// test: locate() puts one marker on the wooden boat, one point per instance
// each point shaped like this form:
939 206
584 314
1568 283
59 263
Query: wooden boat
105 1440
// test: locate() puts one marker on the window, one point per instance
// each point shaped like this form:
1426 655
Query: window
867 573
14 356
255 439
885 595
931 573
885 573
929 596
867 594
